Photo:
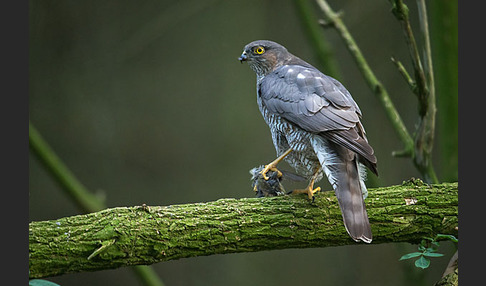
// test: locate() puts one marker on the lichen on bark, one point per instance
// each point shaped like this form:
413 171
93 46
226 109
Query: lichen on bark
138 235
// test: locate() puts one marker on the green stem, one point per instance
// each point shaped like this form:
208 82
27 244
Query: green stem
425 89
375 85
419 148
147 275
444 37
406 76
430 100
69 183
86 201
313 31
428 67
400 10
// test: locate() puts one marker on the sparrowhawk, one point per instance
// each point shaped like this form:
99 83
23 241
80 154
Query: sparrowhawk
315 126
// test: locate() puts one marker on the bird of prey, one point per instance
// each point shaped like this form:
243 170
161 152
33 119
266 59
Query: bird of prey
315 126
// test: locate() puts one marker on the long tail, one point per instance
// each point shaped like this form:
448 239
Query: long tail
342 170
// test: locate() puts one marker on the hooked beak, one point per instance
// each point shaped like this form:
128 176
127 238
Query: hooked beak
243 57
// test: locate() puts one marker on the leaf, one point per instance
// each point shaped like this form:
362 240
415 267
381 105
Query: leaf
433 254
447 236
41 282
422 262
410 255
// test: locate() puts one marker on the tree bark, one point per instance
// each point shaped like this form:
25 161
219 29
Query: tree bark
138 235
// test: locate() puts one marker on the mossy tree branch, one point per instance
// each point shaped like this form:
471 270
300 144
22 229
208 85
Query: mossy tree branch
126 236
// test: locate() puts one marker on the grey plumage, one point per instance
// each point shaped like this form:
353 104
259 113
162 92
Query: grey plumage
317 117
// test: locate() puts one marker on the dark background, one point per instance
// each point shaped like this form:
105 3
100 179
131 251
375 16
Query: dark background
146 102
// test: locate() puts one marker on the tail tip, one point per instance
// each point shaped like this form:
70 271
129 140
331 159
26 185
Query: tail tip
363 238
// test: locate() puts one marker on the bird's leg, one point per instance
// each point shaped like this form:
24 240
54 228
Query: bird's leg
310 191
273 165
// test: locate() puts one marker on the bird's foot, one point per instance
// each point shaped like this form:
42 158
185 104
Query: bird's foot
310 191
270 167
273 165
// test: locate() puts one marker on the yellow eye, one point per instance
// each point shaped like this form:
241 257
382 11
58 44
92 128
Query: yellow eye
259 50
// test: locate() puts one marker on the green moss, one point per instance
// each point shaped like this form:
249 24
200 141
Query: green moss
132 236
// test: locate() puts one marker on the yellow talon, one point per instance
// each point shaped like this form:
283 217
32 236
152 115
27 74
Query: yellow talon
273 165
270 167
310 191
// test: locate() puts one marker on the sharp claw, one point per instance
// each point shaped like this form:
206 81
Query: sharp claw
264 175
270 168
315 191
273 165
264 172
309 191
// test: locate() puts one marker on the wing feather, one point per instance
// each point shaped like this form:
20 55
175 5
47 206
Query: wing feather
317 103
299 93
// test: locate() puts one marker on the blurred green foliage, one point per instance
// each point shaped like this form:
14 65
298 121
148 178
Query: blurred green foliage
146 102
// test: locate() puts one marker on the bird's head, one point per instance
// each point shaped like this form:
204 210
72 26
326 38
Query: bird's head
264 56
